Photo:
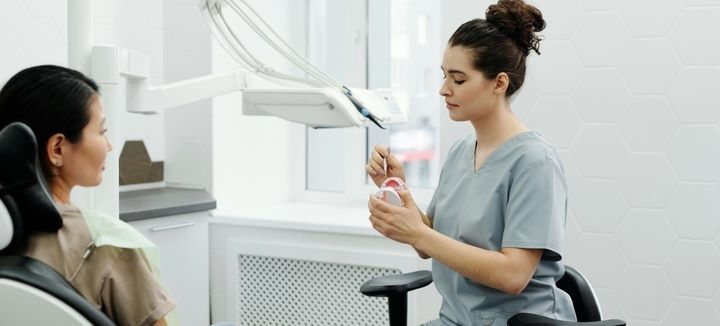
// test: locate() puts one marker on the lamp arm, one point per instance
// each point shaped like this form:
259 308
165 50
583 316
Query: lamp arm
146 99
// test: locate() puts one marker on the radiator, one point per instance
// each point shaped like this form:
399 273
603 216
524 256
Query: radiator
283 291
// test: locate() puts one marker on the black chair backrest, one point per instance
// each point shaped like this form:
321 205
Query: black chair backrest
22 186
24 195
584 301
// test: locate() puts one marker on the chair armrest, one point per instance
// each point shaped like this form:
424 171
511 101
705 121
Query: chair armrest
527 319
388 285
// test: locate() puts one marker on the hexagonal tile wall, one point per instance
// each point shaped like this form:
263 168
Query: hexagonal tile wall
692 49
636 68
600 95
693 211
644 292
604 266
650 18
601 39
691 310
648 137
694 153
565 17
645 236
693 93
690 276
556 119
599 151
646 180
592 5
557 69
598 205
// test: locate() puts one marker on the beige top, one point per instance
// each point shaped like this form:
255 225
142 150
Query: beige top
117 281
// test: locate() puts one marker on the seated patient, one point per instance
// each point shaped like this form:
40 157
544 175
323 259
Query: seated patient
63 108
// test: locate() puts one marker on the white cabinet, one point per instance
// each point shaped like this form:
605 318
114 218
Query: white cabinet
183 244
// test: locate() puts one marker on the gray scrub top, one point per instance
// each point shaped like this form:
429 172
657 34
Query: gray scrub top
516 199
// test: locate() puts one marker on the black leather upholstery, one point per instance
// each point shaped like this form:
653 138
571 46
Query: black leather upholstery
587 309
22 186
393 284
41 276
24 193
524 319
584 302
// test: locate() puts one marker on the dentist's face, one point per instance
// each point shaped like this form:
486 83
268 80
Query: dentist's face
468 93
84 162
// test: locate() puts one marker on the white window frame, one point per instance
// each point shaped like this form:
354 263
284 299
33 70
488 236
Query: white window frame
356 190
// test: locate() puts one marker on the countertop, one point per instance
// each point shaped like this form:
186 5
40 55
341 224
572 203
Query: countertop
167 201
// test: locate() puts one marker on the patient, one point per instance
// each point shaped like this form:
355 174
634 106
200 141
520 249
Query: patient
63 108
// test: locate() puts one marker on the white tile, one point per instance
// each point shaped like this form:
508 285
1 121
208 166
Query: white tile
598 205
557 69
599 150
693 210
694 152
599 259
635 322
594 5
562 19
692 3
716 300
601 39
649 66
650 17
687 39
693 94
572 233
572 173
13 59
692 268
611 308
600 95
524 99
691 311
556 119
645 236
646 180
644 292
648 123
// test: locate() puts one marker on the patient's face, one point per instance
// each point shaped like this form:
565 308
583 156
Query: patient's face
85 160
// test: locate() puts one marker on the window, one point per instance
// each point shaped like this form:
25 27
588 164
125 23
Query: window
414 52
402 51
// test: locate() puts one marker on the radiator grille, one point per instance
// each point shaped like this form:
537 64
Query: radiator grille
282 291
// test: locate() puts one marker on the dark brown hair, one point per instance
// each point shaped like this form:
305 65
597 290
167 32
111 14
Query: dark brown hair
50 100
502 41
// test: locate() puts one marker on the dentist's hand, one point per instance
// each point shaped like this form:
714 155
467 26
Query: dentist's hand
375 167
400 223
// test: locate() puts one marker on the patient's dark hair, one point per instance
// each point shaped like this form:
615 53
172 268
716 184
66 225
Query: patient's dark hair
502 41
50 100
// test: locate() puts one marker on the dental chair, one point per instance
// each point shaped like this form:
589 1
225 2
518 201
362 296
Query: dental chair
585 303
31 292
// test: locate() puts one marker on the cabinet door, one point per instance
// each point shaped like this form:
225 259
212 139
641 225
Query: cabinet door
183 244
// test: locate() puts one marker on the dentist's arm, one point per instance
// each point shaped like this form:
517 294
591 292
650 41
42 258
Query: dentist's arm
508 270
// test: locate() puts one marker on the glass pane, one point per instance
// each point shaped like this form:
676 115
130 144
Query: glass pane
413 55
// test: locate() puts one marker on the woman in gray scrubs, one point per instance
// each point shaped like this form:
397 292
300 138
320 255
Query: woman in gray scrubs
495 224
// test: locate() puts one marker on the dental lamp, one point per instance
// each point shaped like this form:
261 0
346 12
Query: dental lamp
318 101
321 102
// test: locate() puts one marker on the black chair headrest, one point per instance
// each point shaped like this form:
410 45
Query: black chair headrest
23 190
